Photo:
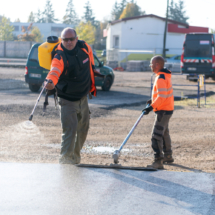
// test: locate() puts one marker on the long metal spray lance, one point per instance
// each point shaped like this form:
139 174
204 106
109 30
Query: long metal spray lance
117 152
38 99
131 131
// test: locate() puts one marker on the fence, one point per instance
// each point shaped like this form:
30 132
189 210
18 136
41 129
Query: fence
173 67
130 60
15 49
137 60
200 84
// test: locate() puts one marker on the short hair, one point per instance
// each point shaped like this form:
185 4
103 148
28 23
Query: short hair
68 29
160 60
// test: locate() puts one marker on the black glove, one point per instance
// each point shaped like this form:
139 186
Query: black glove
147 110
149 102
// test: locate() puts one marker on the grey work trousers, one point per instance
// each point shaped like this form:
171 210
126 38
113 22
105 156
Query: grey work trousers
161 141
75 126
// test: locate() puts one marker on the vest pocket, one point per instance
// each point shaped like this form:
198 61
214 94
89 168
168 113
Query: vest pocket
62 86
74 88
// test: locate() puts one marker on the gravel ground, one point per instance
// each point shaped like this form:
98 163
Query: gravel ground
191 129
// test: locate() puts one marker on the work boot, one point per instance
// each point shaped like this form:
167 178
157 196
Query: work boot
157 164
168 159
77 158
66 160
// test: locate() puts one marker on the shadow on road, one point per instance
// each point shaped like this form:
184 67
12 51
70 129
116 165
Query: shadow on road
179 187
177 107
210 83
116 99
187 168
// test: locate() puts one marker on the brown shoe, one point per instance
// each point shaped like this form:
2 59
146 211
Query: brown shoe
168 159
77 159
66 160
157 164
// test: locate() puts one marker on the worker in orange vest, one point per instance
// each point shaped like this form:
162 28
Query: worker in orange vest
162 103
72 75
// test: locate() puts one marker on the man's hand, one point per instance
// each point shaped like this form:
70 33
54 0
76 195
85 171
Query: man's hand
147 110
149 102
50 85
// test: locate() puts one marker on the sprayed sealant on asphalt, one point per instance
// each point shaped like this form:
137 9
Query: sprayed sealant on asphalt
27 125
25 131
107 149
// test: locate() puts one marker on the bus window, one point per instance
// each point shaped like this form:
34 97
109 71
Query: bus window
198 46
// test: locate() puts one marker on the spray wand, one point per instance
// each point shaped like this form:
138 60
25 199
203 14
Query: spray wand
38 99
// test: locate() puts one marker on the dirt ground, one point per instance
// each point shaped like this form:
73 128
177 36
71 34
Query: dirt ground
191 129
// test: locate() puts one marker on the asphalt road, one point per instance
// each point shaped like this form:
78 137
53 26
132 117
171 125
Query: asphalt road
66 189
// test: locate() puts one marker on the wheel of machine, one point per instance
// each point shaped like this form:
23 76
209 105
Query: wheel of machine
107 84
34 87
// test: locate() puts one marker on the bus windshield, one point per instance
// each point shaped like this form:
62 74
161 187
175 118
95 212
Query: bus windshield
198 46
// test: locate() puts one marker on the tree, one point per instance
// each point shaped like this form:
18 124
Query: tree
115 12
88 14
131 9
118 9
39 17
48 13
99 40
6 30
71 17
86 32
37 34
1 17
15 38
26 36
31 17
177 11
17 20
122 5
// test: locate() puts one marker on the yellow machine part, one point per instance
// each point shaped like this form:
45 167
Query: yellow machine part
44 54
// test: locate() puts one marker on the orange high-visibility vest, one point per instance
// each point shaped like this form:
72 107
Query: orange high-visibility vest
162 93
57 68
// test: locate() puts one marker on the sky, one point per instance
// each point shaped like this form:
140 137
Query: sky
201 12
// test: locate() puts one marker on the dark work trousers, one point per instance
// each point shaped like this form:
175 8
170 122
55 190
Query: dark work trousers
75 126
161 141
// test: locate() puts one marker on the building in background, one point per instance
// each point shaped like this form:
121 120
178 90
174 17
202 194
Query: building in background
141 37
46 29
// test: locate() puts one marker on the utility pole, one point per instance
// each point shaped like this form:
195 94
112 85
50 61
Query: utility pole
164 37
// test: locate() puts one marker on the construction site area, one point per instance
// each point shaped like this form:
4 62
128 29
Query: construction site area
113 114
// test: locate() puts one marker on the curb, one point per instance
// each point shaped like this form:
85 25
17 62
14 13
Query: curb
13 65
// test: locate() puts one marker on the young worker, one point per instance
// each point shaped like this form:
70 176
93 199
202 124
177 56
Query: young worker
162 103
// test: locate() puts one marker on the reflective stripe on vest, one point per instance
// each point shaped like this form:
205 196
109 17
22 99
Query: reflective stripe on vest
163 92
165 96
